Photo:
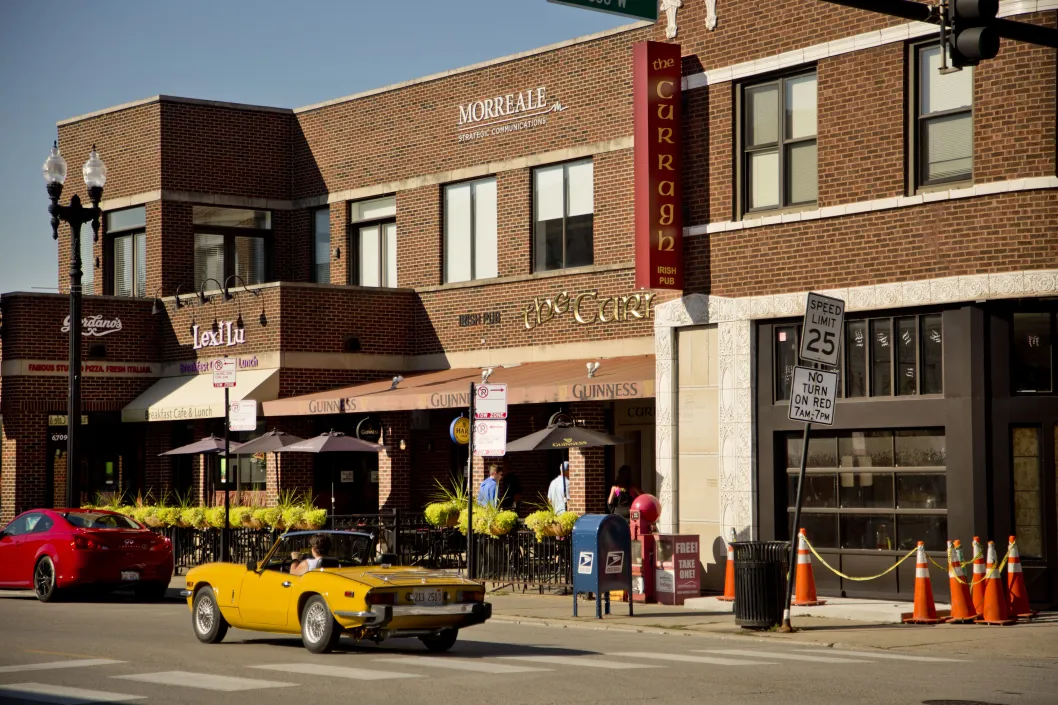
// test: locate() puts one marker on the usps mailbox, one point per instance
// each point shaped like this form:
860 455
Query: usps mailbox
602 559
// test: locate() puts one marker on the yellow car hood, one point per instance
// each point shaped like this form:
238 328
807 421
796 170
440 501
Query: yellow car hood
378 577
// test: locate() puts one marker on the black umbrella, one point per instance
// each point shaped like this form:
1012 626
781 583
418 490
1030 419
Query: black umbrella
561 436
209 444
271 442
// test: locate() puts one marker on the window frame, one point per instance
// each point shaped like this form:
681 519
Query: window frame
565 212
917 156
743 152
229 233
1053 315
352 244
315 262
473 183
110 278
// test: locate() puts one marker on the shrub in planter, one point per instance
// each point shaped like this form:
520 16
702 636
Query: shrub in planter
441 514
193 517
238 516
269 517
215 517
314 518
140 514
292 516
566 520
502 523
168 516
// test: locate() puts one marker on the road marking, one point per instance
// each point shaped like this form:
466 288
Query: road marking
57 653
692 659
773 654
458 664
580 661
316 669
205 681
56 664
40 693
895 657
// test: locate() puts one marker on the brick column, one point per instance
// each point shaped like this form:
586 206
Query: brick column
158 473
587 470
394 464
23 440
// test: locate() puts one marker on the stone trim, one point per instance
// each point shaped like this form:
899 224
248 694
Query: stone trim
734 317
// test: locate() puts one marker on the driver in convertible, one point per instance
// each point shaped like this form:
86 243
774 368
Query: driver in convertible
320 545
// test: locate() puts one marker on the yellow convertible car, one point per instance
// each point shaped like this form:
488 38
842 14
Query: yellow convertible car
347 591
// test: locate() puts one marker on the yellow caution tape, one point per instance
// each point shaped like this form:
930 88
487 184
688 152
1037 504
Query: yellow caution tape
849 577
973 581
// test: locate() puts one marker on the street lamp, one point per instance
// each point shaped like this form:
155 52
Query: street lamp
76 215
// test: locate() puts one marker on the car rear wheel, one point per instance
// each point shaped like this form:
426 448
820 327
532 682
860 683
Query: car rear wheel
441 642
319 630
209 624
44 586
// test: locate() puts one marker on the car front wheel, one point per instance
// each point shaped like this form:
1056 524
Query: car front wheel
319 630
441 642
44 586
209 624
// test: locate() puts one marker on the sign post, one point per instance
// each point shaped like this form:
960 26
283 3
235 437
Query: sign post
636 9
813 394
471 497
224 371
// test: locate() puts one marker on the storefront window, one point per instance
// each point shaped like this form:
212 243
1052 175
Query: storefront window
914 491
866 490
866 449
920 448
932 529
869 357
563 207
786 344
1028 493
1032 357
907 356
231 241
470 231
881 358
856 358
932 362
820 490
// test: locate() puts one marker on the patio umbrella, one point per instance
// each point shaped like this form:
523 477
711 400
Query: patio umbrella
209 444
332 442
560 436
271 442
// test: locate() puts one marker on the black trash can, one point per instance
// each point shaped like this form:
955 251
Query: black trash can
760 582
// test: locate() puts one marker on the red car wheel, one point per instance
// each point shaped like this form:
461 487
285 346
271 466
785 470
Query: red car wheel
44 586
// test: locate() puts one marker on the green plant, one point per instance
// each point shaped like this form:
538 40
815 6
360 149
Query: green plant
503 522
268 516
194 517
566 520
184 501
109 500
292 516
441 513
238 516
315 518
168 516
214 517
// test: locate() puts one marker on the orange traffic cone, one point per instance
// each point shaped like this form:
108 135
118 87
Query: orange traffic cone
995 611
1019 596
729 572
962 604
804 580
978 582
925 609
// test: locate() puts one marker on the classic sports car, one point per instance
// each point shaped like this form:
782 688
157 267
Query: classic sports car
351 593
55 551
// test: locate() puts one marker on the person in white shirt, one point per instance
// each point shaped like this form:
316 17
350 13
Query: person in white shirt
558 491
321 546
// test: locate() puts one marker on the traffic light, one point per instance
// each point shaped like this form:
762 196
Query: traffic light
973 36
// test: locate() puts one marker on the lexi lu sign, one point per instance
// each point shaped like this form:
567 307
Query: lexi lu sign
659 221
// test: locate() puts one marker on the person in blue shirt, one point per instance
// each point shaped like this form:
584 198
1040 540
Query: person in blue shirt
488 493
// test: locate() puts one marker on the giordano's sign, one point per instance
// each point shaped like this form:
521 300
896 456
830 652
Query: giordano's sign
589 308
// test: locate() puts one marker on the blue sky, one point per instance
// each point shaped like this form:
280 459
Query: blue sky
63 58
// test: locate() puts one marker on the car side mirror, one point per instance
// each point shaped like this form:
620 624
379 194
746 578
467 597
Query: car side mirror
251 565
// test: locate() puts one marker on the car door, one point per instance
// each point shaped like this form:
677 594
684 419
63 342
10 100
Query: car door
265 596
38 532
9 543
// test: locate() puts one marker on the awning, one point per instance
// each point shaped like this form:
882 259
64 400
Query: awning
529 383
186 398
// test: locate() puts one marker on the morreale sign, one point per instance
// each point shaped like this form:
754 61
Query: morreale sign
94 326
501 114
656 78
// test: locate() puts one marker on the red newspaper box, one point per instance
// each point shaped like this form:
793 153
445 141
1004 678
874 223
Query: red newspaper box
676 573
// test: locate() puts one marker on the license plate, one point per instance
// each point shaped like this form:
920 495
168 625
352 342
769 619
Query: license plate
130 575
427 597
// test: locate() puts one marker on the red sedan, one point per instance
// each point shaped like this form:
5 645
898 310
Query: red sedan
54 551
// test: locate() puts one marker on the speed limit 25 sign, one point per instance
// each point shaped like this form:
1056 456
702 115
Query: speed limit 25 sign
824 318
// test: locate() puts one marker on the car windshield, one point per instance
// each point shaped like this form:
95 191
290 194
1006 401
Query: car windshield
347 550
98 520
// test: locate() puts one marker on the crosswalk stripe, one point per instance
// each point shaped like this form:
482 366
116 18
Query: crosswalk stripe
871 654
317 669
60 694
79 663
205 681
786 657
692 659
579 661
457 664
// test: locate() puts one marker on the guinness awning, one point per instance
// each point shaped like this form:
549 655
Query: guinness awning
528 383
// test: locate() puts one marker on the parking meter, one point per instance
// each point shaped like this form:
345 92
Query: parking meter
602 559
646 509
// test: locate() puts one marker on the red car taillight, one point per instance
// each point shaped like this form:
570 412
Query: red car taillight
83 543
162 543
381 598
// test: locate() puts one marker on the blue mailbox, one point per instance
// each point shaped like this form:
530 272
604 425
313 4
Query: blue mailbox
602 559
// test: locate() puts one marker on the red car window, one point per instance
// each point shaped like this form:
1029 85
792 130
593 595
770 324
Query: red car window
94 520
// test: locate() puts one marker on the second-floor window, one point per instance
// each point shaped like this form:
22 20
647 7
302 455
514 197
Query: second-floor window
944 120
321 246
563 215
1032 352
127 238
778 164
231 241
374 240
470 230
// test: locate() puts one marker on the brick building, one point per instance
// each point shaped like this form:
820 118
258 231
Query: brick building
484 218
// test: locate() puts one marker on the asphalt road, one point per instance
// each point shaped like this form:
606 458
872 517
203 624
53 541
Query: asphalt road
118 650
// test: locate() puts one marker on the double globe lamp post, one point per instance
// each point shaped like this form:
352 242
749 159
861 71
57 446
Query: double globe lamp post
75 215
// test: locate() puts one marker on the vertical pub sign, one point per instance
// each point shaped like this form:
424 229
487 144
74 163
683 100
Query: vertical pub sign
659 218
